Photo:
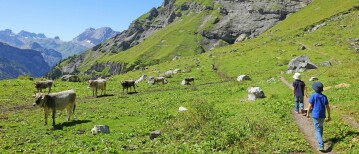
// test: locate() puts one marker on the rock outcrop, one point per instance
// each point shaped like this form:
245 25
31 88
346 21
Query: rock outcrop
300 64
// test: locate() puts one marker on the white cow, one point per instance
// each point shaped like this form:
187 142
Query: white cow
56 101
97 84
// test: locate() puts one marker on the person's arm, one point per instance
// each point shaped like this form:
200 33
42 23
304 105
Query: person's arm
309 109
328 110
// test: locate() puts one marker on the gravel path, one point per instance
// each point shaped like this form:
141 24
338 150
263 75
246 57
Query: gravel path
305 125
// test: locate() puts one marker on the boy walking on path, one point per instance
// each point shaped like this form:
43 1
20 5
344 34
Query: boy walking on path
318 102
299 87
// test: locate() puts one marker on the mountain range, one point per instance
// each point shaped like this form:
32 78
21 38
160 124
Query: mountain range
15 62
53 50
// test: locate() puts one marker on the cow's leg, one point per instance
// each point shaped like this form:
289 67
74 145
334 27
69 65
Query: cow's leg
69 110
53 117
49 90
96 92
45 117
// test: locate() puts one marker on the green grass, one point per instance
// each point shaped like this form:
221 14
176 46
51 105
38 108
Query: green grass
219 118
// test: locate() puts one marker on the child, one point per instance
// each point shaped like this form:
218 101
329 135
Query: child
318 102
298 91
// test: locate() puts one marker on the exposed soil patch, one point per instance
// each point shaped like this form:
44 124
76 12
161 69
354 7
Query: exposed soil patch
18 108
305 125
350 120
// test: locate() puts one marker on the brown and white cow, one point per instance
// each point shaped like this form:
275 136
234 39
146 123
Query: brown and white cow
128 84
56 101
39 85
97 84
160 80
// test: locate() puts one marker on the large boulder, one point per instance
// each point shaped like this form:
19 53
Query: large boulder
100 129
255 93
300 64
243 77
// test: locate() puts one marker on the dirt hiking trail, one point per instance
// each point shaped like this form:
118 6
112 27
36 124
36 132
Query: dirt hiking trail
305 126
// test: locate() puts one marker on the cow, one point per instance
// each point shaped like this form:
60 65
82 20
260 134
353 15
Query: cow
128 84
39 85
97 84
188 80
56 101
160 80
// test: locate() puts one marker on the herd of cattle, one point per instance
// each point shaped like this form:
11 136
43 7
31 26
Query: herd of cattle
51 102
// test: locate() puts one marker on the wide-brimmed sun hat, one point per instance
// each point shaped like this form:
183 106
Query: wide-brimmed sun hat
317 86
296 76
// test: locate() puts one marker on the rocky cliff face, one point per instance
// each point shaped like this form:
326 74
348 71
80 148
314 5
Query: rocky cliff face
224 22
17 61
236 18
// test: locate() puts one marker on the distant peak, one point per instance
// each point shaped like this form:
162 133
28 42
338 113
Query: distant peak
57 37
32 35
90 29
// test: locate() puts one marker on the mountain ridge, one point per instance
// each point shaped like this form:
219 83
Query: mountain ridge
24 61
211 19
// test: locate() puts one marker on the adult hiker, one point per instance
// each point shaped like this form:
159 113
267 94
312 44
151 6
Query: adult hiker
298 91
318 102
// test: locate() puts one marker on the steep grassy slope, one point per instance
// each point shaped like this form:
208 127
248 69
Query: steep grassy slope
219 118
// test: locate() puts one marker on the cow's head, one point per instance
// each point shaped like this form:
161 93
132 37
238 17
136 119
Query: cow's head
39 99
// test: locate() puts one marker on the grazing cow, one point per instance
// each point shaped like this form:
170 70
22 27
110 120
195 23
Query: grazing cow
56 101
128 84
188 80
160 79
97 84
39 85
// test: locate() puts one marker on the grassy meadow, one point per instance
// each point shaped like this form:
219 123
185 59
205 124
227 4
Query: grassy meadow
219 117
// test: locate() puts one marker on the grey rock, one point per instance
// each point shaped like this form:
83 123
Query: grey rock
241 38
71 78
313 79
155 134
243 78
326 63
255 93
100 129
300 64
302 47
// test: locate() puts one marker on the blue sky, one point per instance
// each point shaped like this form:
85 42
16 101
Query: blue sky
69 18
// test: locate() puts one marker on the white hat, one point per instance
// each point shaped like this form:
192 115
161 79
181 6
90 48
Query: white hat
296 76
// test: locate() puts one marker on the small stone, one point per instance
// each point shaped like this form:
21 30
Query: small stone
155 134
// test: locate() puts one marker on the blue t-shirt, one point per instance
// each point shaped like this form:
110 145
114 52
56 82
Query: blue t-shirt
318 102
298 86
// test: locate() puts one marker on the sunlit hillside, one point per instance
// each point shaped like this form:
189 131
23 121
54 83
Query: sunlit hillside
219 119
